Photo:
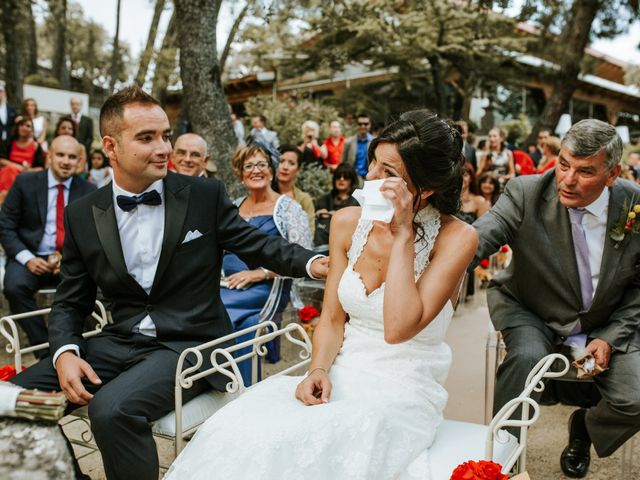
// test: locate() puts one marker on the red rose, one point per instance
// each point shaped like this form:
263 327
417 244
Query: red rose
7 372
504 248
308 313
482 470
484 263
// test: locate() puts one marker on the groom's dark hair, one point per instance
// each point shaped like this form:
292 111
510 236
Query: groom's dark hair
112 111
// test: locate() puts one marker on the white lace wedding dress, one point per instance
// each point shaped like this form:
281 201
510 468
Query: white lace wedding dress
384 409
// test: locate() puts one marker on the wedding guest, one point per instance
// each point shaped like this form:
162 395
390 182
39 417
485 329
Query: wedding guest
152 244
288 168
275 214
467 149
83 124
31 232
66 126
40 122
190 155
331 149
543 135
356 147
260 131
489 188
238 127
20 154
498 159
310 148
372 400
7 116
523 163
550 150
100 173
562 227
345 181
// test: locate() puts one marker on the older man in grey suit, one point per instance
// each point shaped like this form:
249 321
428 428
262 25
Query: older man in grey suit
570 275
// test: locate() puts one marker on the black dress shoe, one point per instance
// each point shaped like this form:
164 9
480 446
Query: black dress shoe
575 458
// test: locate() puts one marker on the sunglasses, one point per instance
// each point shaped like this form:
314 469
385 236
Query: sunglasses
342 177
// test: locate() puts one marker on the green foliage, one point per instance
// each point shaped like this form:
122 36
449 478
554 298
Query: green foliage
286 116
518 130
42 80
314 180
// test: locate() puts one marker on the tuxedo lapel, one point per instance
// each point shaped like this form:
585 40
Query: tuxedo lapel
610 255
176 197
107 228
42 196
558 227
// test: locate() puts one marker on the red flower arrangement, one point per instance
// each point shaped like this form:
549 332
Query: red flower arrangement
7 372
308 313
484 263
482 470
504 249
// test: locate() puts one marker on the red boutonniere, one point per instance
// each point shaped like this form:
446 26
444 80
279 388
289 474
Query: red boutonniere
308 313
627 222
482 470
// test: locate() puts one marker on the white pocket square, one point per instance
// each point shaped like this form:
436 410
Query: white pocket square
191 236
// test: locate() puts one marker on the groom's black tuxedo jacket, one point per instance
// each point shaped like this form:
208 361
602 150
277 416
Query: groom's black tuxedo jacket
184 302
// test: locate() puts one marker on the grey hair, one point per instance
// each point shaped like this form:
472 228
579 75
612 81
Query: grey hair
589 137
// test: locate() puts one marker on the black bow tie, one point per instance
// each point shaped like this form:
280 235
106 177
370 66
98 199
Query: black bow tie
127 203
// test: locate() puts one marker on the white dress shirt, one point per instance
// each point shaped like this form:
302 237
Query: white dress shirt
48 243
141 233
594 223
4 114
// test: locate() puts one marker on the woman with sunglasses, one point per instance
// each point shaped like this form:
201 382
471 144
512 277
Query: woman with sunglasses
247 290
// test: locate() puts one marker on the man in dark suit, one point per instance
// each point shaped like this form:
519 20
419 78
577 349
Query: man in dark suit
574 277
84 126
31 230
7 116
153 242
468 150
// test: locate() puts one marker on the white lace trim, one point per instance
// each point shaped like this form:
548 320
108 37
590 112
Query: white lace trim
428 218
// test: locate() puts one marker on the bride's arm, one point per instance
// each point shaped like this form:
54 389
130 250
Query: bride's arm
329 334
409 306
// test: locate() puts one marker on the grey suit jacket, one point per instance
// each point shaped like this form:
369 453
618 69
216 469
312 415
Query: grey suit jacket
541 285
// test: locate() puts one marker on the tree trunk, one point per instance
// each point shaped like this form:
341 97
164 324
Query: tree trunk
32 65
59 69
206 103
574 39
165 60
438 86
232 35
146 55
115 54
14 74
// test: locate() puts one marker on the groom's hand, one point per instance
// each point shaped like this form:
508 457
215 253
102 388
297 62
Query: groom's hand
320 267
315 389
71 369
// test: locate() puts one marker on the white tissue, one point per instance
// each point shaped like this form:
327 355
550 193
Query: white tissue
8 396
374 205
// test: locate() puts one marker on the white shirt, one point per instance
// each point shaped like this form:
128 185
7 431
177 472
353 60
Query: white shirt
594 223
141 233
4 113
48 243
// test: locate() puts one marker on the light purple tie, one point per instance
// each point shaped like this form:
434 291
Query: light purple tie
582 256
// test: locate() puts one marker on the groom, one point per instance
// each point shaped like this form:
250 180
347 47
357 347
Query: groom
569 277
152 242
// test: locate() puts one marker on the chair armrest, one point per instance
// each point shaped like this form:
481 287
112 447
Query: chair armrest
9 330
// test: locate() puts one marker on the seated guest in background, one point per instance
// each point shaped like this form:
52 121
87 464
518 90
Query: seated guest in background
498 159
288 169
310 148
21 154
31 230
489 188
247 290
40 122
571 276
100 173
472 206
538 152
345 181
523 163
66 126
331 149
550 150
190 155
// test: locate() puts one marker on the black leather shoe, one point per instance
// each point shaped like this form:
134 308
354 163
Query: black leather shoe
576 457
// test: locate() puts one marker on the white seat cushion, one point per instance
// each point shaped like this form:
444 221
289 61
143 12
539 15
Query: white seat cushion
458 442
194 412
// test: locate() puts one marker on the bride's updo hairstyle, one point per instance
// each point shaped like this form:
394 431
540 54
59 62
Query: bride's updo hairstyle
431 151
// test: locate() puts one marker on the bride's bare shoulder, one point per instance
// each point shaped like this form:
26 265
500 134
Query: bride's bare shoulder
457 234
346 218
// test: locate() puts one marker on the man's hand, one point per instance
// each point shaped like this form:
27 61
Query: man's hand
39 266
601 352
315 389
320 267
71 369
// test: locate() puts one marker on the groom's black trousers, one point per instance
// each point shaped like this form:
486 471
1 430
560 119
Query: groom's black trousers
138 375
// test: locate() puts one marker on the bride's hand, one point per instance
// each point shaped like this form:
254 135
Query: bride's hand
395 189
315 389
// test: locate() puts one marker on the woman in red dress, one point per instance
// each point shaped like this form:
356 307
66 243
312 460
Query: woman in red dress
21 154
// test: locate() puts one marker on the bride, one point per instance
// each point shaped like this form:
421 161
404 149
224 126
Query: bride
372 400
